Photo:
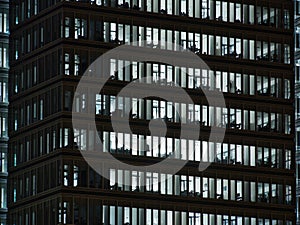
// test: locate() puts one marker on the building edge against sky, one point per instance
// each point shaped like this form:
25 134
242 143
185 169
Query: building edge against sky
249 48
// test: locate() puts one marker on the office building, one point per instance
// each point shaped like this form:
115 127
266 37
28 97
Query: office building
4 40
297 102
249 47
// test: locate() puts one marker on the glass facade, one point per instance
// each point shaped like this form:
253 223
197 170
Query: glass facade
250 52
74 210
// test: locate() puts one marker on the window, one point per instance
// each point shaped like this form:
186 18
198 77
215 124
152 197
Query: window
286 16
42 35
288 159
4 25
288 194
41 109
35 11
150 216
34 74
3 160
67 64
287 54
287 124
3 55
28 43
3 196
199 43
80 138
16 14
3 91
76 64
34 191
225 153
208 9
67 27
80 28
3 125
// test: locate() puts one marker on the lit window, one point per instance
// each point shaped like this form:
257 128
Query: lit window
67 64
41 109
3 161
80 28
3 197
67 27
76 65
